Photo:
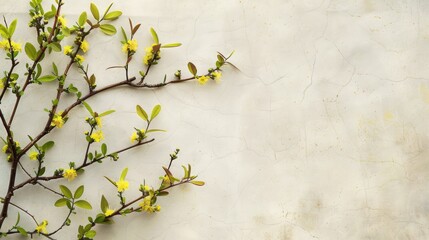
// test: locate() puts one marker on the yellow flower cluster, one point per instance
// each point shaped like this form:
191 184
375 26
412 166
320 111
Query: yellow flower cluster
130 45
68 49
7 46
79 59
84 46
58 120
42 227
62 21
70 174
203 79
33 155
122 185
217 75
109 212
137 137
147 206
97 136
150 55
98 121
6 147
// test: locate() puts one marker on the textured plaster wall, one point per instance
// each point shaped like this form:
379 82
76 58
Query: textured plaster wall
322 135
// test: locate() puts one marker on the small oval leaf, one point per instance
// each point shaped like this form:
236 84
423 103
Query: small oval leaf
66 192
61 202
47 78
192 69
113 15
95 12
83 204
198 183
108 29
79 191
155 111
141 112
30 50
82 18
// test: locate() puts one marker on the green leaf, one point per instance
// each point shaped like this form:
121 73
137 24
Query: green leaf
95 12
141 112
88 108
198 183
169 174
83 204
79 191
106 113
61 202
124 34
156 130
18 218
104 149
111 181
155 111
82 19
47 78
186 175
192 68
163 193
171 45
4 32
22 231
12 27
100 218
48 145
67 193
124 173
113 15
30 50
104 205
54 66
154 35
108 29
90 234
55 46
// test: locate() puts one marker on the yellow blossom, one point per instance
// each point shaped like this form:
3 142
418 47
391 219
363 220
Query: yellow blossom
146 205
109 212
146 188
98 121
70 174
16 46
130 45
135 137
97 136
203 80
6 45
150 55
68 49
33 155
122 185
84 46
79 59
58 120
62 21
1 84
6 147
217 76
42 227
